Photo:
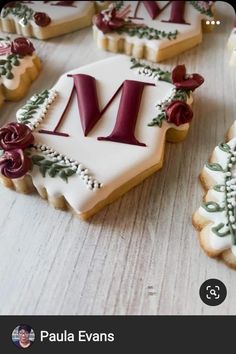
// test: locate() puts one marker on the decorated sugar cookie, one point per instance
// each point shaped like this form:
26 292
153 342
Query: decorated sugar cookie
97 133
216 217
46 19
19 66
155 30
232 46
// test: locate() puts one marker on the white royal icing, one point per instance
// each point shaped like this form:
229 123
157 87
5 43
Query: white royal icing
222 158
26 62
57 14
192 16
112 164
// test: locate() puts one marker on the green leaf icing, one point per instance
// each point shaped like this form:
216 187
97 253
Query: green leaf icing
218 230
151 71
52 168
215 167
158 120
224 147
21 11
212 207
147 32
53 164
7 64
31 106
219 187
202 10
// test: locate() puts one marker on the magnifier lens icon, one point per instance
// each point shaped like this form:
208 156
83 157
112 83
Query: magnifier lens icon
213 292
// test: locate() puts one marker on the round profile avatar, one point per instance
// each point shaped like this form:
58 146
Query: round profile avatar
23 336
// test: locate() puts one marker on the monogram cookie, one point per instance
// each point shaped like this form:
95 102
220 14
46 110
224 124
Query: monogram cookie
154 30
97 133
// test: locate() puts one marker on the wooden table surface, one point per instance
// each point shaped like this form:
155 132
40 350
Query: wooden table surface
139 255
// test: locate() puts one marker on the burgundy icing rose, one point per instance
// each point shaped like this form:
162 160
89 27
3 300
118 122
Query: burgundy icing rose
108 21
183 81
22 46
15 136
178 112
14 164
41 19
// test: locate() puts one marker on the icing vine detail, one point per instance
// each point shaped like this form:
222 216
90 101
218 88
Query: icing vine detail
55 164
17 156
204 7
212 207
25 14
173 109
228 206
52 168
220 230
154 72
147 32
224 147
35 109
215 167
116 19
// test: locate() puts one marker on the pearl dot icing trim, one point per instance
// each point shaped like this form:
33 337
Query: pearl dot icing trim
40 110
65 161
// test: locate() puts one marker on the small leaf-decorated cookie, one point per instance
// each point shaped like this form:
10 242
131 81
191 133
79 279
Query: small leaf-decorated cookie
97 133
46 19
19 66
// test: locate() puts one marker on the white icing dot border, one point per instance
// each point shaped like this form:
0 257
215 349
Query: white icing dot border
80 170
40 115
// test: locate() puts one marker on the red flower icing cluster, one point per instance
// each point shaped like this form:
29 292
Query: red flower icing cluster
14 138
41 19
22 46
179 112
108 20
183 81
